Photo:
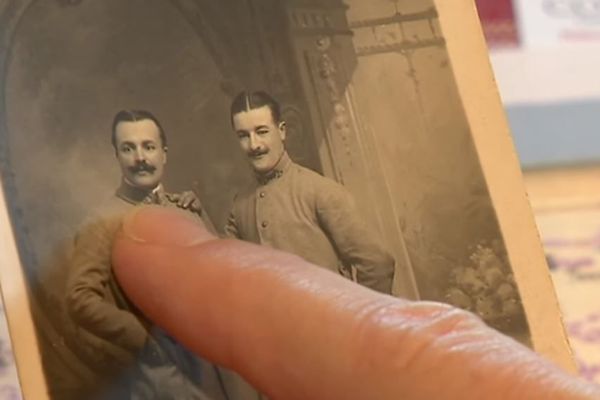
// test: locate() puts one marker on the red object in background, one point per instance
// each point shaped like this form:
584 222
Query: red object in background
498 22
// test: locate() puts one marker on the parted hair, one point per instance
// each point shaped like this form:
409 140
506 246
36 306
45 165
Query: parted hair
246 101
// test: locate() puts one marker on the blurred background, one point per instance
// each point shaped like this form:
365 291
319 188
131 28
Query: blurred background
546 58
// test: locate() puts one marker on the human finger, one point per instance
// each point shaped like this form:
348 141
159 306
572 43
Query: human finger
173 197
187 199
296 331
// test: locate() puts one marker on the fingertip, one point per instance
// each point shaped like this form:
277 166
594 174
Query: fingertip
162 226
146 230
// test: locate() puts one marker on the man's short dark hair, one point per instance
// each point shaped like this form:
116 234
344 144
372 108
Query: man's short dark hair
246 101
134 116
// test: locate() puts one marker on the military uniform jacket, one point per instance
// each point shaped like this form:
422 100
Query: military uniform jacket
95 301
301 212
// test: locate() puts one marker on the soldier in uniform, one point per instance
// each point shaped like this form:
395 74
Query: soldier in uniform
134 359
294 209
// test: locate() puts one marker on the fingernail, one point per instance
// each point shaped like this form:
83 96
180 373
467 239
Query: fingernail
165 227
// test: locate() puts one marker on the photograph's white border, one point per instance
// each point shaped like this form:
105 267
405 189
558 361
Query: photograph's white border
491 134
18 314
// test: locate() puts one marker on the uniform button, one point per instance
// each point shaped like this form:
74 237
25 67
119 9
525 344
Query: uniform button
262 194
264 224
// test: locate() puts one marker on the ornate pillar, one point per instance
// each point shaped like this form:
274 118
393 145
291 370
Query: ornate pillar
326 57
281 76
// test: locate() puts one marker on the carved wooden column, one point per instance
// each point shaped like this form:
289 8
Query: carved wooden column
325 53
280 74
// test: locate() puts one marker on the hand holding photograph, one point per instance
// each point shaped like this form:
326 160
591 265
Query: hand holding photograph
367 138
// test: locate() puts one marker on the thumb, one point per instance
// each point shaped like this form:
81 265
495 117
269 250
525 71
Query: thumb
296 331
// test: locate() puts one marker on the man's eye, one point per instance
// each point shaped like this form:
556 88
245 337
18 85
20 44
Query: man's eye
243 136
126 149
262 131
150 147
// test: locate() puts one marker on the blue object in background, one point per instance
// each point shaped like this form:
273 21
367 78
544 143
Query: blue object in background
556 134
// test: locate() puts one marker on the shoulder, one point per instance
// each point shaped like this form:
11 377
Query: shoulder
311 175
106 216
324 193
321 185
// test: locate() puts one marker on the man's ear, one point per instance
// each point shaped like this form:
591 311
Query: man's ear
282 129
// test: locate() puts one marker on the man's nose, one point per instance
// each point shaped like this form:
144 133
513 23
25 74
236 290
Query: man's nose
139 155
255 142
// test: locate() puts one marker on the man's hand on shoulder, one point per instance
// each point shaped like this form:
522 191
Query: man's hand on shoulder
186 200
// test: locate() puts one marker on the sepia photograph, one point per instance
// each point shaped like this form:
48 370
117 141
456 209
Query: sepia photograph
333 130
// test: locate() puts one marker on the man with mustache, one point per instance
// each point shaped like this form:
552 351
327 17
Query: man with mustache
294 209
291 208
133 359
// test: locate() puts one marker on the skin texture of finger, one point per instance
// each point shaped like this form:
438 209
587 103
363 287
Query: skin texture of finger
297 331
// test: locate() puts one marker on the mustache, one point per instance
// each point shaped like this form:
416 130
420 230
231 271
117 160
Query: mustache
258 152
142 167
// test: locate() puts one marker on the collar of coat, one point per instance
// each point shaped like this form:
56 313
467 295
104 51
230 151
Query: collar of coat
281 167
135 195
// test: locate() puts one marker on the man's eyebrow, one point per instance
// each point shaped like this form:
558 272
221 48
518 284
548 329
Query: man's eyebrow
262 127
127 143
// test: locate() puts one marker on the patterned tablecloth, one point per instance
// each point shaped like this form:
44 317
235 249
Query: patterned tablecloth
572 241
9 381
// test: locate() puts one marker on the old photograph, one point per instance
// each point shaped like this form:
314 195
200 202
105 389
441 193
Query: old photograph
333 130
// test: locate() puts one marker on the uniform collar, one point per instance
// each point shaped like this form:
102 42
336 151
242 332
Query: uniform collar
135 195
282 166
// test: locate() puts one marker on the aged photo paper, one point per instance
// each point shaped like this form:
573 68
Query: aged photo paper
366 137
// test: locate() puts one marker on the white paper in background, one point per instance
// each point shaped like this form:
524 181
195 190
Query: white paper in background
556 22
559 54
